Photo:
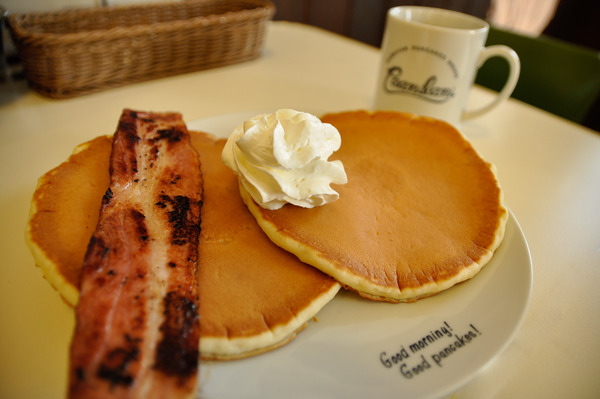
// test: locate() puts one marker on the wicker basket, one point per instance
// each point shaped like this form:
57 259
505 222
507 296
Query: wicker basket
75 52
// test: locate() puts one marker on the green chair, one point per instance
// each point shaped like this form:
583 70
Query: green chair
556 76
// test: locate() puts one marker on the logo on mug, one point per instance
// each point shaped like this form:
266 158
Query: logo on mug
427 90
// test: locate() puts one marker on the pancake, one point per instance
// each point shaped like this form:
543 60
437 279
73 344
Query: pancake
254 296
421 211
64 212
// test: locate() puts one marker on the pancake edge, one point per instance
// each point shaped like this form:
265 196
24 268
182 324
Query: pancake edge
364 287
67 291
221 348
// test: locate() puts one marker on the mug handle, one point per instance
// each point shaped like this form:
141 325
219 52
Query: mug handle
513 76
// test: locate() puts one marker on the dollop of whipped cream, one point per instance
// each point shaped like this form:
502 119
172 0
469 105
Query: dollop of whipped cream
282 158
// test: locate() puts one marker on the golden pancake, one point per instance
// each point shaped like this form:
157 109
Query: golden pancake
64 212
254 296
421 211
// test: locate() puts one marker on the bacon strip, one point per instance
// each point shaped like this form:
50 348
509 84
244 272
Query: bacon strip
137 326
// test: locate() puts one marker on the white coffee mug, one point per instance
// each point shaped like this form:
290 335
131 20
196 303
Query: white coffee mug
429 60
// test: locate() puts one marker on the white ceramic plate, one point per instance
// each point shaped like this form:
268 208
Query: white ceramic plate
364 349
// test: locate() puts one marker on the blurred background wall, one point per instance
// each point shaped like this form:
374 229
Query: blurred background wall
359 19
575 21
364 20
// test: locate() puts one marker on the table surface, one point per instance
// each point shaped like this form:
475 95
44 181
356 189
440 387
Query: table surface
549 169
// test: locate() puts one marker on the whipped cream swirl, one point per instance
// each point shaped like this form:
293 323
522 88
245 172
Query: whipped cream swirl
282 157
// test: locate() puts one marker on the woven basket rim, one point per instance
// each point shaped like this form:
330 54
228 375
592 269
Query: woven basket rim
262 9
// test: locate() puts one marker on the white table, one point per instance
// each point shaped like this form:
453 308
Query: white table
549 169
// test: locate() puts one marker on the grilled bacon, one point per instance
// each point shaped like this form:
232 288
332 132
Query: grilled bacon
137 322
